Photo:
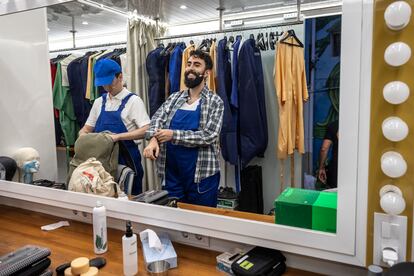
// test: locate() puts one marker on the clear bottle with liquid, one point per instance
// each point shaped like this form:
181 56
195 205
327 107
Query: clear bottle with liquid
130 251
100 238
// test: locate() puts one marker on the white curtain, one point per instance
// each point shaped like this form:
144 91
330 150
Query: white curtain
140 42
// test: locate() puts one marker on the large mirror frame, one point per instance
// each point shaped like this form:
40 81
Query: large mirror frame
348 245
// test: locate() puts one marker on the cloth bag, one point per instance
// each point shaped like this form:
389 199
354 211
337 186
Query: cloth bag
90 177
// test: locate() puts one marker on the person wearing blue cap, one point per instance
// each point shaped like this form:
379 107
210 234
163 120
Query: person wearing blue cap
119 111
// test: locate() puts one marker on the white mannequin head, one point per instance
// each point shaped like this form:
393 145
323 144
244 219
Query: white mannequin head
28 161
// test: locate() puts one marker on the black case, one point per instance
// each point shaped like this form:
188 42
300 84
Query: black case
260 262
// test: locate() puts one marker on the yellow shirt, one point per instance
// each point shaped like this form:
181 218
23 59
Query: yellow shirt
211 81
89 79
291 90
186 55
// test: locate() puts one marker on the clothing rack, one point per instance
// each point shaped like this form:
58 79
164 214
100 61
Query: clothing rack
241 29
88 47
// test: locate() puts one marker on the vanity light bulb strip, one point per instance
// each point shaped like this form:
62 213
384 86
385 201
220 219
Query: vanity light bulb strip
397 17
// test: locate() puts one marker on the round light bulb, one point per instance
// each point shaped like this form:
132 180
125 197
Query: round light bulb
393 164
392 201
394 129
396 92
397 54
397 15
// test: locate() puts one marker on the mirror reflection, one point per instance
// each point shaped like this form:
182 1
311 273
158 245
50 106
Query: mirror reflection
244 119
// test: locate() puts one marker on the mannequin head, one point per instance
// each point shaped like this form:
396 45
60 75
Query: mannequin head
27 160
9 165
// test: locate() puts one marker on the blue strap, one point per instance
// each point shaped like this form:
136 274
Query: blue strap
104 101
124 101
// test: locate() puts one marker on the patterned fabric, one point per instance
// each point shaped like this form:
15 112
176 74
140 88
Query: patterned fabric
206 138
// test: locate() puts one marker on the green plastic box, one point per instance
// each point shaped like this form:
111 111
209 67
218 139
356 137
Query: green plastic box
293 207
324 212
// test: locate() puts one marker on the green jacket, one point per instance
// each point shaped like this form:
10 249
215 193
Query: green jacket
98 145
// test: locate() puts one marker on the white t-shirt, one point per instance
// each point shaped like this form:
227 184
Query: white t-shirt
134 114
190 107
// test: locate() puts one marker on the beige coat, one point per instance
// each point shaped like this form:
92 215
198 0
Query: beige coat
291 90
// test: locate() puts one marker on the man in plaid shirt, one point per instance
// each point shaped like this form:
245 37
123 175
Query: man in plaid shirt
184 135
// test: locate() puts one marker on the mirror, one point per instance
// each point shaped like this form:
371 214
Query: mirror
265 176
347 245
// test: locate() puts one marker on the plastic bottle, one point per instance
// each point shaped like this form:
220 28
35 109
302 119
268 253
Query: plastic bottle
100 240
130 251
122 196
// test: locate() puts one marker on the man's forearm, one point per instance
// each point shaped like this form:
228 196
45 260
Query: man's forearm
322 158
133 135
86 129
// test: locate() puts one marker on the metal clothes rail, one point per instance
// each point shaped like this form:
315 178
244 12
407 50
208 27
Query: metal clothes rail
241 29
89 47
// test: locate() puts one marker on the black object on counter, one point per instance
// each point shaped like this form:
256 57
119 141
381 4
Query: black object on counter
98 262
35 269
260 261
401 269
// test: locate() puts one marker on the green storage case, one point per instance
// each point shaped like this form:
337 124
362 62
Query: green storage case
293 207
324 212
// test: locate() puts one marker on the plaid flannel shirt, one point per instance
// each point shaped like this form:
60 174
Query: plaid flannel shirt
206 138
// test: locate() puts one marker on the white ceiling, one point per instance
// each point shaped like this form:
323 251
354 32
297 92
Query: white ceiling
100 21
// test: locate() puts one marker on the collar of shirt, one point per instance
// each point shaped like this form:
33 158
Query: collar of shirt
120 96
204 93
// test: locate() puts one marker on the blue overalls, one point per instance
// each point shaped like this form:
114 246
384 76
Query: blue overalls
112 121
181 165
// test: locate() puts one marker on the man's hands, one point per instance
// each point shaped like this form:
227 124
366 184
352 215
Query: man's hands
164 135
152 150
322 175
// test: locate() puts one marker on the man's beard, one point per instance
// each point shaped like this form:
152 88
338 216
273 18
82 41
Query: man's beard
191 83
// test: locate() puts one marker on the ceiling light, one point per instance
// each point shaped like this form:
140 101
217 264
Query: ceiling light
85 23
183 7
48 29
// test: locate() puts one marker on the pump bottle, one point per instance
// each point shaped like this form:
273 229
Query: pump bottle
130 251
100 240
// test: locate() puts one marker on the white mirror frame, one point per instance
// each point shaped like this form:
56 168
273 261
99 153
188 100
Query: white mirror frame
348 245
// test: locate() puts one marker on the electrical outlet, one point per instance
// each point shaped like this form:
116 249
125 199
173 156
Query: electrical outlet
193 239
389 231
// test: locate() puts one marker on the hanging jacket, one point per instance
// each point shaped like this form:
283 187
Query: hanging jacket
292 92
228 135
155 64
252 105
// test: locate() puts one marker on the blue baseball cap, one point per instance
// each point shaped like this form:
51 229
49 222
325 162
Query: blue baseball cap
105 70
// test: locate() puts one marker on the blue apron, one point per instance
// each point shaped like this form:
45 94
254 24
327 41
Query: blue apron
181 165
112 121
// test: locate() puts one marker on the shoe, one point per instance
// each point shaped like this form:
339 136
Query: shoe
226 193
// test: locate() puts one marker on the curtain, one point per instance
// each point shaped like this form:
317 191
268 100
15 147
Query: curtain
139 43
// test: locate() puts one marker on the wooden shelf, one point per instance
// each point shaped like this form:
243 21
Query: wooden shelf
229 213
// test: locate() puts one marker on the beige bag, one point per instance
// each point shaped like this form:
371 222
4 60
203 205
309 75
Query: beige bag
90 177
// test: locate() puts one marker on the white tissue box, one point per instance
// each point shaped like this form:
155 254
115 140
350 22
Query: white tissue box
168 254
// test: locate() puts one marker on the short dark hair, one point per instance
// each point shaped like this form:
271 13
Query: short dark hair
204 56
117 74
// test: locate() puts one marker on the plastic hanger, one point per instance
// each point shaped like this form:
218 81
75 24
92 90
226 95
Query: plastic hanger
291 33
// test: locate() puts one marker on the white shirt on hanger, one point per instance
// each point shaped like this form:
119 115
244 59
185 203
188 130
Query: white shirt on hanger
134 115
